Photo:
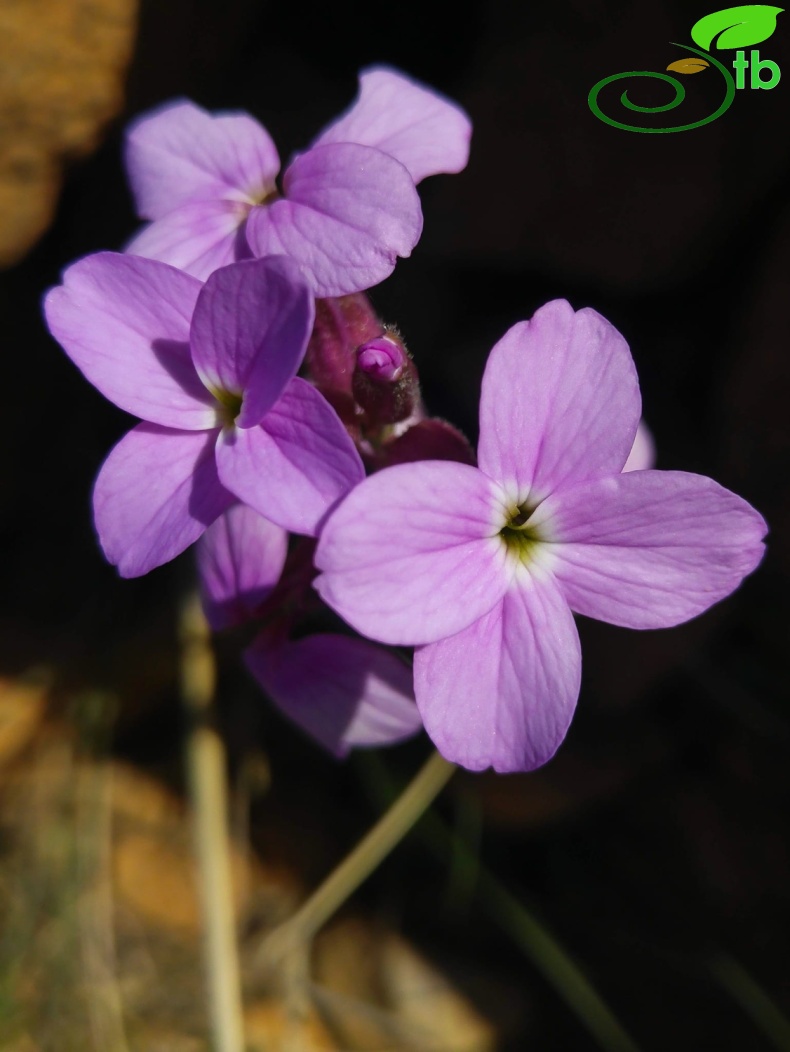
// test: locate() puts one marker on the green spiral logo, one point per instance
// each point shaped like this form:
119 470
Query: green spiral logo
679 96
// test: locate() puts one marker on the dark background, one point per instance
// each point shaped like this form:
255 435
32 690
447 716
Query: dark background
656 841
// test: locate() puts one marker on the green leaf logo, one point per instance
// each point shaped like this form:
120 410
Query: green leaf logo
736 27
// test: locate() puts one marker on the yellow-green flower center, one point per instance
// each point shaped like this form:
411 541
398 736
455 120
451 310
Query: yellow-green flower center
521 539
228 406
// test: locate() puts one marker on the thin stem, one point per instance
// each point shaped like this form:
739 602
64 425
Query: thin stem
363 860
537 943
95 905
208 791
764 1013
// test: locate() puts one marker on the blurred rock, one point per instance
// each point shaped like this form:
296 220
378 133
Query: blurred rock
21 710
62 67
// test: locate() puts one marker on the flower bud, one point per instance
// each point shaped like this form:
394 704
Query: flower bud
341 325
385 383
382 360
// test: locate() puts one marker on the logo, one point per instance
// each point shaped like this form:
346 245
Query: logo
734 29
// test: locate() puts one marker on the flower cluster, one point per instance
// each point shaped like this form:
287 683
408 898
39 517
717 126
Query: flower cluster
238 284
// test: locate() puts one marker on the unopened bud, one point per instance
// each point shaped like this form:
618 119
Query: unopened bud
341 325
385 383
383 360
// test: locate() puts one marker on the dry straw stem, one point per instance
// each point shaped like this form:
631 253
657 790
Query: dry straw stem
208 791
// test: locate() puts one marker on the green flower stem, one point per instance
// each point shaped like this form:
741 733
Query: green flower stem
536 942
363 860
205 758
764 1013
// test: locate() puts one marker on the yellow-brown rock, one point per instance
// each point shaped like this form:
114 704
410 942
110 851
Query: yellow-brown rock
62 69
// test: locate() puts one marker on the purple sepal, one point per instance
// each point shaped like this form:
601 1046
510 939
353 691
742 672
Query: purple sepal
431 439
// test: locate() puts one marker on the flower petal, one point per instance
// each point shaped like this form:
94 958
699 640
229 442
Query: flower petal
348 212
155 494
417 126
197 238
643 451
502 692
560 402
124 322
344 692
240 558
650 549
297 465
413 554
250 331
179 153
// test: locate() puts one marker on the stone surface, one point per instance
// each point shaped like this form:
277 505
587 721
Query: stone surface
62 68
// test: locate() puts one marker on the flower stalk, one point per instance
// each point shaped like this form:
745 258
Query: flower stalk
205 757
386 834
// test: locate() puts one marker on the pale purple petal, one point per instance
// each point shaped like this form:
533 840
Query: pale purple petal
240 558
560 402
413 554
650 549
296 465
348 212
502 692
197 238
250 331
124 322
643 451
155 494
344 692
179 153
426 132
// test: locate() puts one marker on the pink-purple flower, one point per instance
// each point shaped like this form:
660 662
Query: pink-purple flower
211 370
481 567
345 210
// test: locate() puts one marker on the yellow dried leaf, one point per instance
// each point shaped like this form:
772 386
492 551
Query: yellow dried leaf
688 65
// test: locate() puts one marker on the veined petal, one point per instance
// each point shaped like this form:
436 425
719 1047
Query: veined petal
560 402
417 126
198 237
650 549
124 322
413 554
250 330
643 451
240 558
349 211
296 465
502 692
155 494
343 692
179 153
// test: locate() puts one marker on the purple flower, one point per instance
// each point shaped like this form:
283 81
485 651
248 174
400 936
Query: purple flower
211 371
348 205
343 692
481 567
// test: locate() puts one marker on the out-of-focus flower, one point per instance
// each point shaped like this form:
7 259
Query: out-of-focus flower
211 370
344 692
346 209
481 567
